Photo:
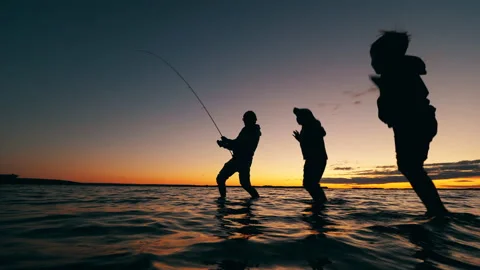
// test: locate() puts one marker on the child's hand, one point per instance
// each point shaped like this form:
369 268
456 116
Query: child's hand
296 135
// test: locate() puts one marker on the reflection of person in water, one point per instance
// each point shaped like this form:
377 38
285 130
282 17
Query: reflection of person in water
243 148
314 153
403 105
237 222
316 249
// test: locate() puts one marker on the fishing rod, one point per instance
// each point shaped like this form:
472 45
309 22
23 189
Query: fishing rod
189 87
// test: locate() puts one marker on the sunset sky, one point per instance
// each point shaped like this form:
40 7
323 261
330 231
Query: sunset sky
79 102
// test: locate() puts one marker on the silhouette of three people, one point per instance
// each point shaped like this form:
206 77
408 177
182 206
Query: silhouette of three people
402 105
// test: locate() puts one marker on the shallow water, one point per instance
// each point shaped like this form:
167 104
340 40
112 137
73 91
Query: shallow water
120 227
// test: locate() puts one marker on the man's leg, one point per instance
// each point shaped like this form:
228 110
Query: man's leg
411 154
424 187
312 173
228 170
322 165
244 175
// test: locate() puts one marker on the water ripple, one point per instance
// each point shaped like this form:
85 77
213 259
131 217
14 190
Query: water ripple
86 227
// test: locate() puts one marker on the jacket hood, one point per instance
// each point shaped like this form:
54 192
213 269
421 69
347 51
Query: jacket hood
255 128
415 64
304 114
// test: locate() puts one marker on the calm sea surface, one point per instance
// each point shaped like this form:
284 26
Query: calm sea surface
114 227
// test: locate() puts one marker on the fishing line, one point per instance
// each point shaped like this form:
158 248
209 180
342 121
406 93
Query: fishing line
189 87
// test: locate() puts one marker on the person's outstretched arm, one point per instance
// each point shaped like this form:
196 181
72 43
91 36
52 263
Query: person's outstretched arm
246 138
227 140
297 136
228 143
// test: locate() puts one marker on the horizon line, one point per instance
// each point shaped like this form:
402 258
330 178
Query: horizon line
42 181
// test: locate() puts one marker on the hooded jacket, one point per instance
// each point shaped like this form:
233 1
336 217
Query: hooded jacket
311 136
246 143
403 95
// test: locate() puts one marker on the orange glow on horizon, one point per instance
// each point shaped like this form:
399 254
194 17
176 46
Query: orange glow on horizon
473 182
288 173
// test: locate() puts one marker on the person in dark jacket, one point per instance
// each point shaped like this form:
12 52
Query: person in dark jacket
313 151
403 106
243 148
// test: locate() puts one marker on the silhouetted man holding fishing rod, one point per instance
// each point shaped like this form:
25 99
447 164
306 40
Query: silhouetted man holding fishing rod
243 148
403 105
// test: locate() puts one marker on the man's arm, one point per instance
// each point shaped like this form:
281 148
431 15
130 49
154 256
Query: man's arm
237 142
227 143
247 140
227 140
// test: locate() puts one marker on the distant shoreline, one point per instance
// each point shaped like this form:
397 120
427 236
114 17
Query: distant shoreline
39 181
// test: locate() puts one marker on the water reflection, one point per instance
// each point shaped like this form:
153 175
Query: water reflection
237 220
422 238
432 245
317 220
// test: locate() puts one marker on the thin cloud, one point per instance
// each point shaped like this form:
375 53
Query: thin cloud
343 168
464 168
386 167
357 94
390 173
364 180
378 173
468 187
341 163
460 165
463 181
332 106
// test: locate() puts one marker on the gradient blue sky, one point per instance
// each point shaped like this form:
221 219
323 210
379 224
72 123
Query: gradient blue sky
79 102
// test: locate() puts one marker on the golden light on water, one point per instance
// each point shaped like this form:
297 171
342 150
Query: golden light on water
473 182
